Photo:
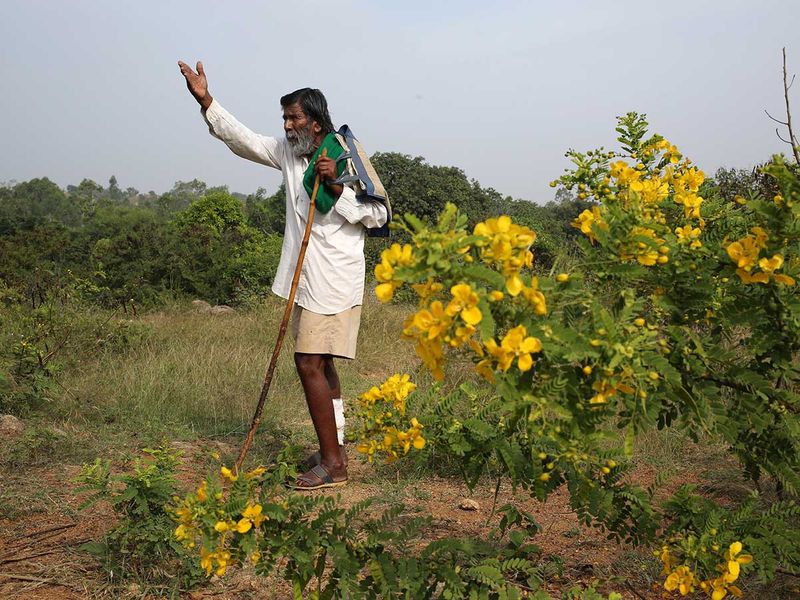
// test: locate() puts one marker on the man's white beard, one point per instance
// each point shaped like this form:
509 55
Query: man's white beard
302 142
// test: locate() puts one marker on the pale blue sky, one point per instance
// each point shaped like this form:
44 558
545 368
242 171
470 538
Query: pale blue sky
501 90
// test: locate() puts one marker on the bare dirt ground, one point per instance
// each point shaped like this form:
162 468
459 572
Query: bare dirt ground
40 556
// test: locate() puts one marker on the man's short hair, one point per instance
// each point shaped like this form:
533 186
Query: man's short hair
314 105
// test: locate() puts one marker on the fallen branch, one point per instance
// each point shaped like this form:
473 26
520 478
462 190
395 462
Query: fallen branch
8 561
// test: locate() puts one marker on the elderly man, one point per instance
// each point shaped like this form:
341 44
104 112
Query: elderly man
327 308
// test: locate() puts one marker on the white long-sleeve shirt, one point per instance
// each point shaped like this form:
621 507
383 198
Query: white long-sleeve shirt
332 279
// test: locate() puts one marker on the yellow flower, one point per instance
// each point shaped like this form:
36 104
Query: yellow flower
222 526
434 322
768 265
505 244
689 234
496 295
206 558
257 472
562 277
517 344
182 532
604 389
680 579
534 297
244 525
228 474
385 291
202 492
251 514
587 220
734 559
756 277
465 304
396 255
744 252
427 289
514 285
223 558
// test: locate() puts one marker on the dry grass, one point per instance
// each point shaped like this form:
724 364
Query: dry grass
200 375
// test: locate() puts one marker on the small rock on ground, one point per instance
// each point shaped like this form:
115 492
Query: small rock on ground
201 306
11 426
222 309
469 504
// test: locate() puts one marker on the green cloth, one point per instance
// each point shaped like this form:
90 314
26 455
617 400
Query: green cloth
325 199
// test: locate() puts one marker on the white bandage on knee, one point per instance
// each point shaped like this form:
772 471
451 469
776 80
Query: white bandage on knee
338 413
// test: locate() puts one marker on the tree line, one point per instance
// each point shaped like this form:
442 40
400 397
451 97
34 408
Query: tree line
111 245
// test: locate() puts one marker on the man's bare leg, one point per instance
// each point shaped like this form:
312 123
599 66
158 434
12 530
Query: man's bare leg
333 377
312 372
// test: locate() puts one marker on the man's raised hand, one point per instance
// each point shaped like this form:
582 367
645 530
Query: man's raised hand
197 83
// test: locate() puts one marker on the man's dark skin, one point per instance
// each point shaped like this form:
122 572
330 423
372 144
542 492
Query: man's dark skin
317 371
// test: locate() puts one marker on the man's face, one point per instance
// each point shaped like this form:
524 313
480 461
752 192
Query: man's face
301 132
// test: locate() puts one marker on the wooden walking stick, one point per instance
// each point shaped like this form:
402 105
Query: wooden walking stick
282 331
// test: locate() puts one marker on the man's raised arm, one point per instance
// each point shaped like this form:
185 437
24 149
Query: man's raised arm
242 141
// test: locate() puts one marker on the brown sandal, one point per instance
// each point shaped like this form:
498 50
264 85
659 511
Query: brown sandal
316 478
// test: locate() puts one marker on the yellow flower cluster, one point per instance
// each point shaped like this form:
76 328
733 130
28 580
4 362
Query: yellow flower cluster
195 508
606 389
647 253
682 579
394 442
392 257
207 558
515 345
745 254
627 177
588 220
534 297
395 390
641 188
251 517
689 235
380 407
686 184
506 245
435 325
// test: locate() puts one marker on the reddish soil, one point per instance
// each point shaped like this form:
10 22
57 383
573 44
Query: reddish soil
40 556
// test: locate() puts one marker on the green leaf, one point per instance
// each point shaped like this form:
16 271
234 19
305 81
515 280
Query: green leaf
487 325
630 436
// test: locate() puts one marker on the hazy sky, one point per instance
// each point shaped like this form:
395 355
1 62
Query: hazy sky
500 89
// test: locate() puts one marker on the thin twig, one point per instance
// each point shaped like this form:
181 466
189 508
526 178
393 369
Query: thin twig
8 561
795 146
48 530
780 137
28 578
774 119
17 548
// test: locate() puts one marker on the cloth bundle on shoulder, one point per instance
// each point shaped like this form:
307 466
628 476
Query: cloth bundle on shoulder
352 167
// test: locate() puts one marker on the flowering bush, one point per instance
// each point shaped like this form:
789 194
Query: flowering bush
684 315
642 338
